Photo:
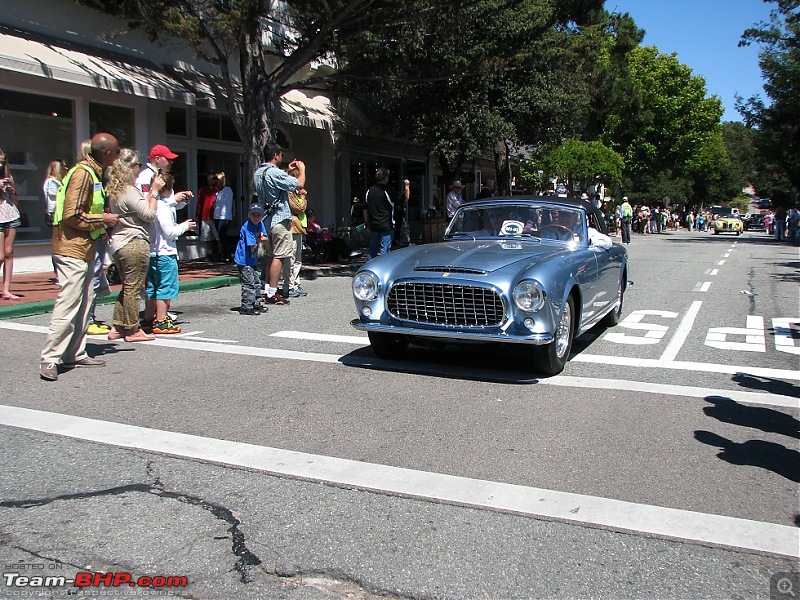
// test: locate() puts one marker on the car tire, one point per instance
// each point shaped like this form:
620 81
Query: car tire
716 232
738 233
612 318
388 345
550 359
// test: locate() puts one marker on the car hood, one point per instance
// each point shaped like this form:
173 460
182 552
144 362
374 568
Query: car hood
479 256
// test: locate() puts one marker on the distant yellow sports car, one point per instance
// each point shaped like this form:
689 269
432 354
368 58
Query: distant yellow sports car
727 225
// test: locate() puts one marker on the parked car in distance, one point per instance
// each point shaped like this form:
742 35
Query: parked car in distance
517 270
765 204
753 221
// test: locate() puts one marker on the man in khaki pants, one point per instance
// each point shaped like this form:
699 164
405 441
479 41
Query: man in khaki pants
78 221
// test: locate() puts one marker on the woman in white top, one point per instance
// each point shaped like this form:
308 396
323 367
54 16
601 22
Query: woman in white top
55 173
9 221
223 213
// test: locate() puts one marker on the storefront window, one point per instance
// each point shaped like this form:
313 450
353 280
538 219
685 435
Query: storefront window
176 121
116 120
34 130
216 126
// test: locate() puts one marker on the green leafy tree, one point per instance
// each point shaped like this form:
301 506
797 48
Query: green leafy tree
777 122
613 91
504 73
673 135
573 161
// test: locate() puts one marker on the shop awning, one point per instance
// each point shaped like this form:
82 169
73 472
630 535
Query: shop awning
59 60
43 56
300 108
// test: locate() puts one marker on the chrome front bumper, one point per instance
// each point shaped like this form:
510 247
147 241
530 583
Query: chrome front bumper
534 338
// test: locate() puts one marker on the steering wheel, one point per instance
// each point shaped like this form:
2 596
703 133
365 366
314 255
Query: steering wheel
565 236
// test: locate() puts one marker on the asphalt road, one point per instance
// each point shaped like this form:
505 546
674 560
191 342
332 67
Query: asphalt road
276 457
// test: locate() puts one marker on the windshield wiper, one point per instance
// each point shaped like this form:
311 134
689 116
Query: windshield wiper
462 234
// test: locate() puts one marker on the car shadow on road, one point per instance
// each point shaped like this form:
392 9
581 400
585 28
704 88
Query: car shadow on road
483 362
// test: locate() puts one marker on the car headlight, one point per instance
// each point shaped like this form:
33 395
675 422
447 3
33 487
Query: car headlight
365 286
529 296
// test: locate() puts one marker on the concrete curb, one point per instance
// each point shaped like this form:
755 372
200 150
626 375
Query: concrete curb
29 309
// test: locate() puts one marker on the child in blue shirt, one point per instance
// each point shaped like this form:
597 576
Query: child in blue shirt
250 236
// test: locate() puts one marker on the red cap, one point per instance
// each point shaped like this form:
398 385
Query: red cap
162 150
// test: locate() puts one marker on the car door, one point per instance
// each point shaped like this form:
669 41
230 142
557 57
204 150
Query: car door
608 265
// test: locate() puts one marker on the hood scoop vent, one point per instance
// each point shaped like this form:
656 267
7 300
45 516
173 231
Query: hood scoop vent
451 270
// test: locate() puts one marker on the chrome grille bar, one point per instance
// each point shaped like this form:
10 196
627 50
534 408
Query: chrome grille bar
445 304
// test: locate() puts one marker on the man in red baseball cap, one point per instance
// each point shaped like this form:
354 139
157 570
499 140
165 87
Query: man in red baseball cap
160 158
161 150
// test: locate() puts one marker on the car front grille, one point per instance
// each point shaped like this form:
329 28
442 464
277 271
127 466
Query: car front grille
445 304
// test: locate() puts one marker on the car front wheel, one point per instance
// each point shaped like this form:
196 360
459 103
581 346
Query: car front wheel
388 345
550 359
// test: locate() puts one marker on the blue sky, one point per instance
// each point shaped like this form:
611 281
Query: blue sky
705 34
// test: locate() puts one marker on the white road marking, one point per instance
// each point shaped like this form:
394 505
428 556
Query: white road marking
714 272
688 366
618 515
653 331
702 287
194 335
323 337
755 339
726 255
784 340
748 397
722 262
682 332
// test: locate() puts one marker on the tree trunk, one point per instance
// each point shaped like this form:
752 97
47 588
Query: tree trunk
502 164
257 124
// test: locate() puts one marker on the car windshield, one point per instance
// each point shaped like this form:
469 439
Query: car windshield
720 212
545 221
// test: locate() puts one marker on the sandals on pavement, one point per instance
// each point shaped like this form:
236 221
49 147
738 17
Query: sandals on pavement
10 297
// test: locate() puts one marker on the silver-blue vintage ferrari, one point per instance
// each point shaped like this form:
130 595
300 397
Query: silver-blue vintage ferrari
530 270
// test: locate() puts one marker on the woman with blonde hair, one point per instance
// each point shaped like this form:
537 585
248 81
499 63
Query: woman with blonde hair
56 171
130 241
52 181
9 221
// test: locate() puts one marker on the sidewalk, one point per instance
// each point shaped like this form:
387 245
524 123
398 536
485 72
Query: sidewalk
38 291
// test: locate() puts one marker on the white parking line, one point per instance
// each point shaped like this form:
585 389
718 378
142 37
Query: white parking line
322 337
682 332
617 515
702 286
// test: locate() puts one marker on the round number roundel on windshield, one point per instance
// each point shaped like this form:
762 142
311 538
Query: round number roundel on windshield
512 228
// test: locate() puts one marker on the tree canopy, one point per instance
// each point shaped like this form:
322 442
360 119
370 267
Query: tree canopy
778 122
674 133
